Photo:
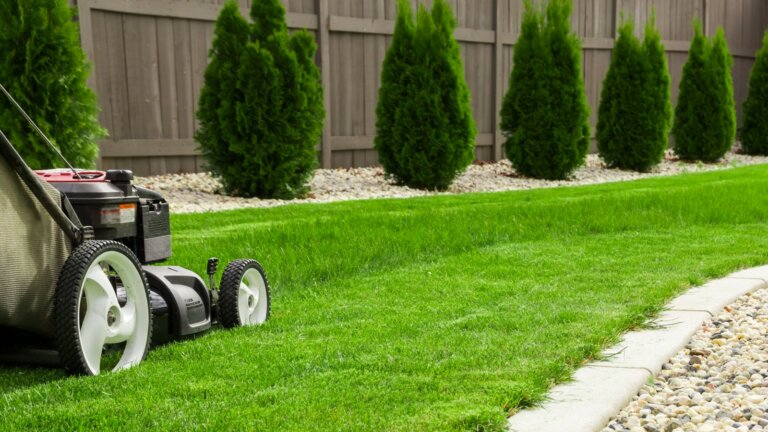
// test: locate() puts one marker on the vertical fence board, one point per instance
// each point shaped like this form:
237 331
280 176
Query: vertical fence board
596 64
167 73
143 82
182 54
498 79
199 60
118 78
359 46
325 72
103 81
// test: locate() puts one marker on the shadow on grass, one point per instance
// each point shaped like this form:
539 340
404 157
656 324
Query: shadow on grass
14 377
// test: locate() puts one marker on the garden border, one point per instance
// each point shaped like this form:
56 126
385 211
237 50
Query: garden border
601 389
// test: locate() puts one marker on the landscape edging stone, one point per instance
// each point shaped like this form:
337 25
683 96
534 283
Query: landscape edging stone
602 389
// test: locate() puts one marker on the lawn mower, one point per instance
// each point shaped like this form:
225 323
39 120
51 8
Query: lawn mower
77 286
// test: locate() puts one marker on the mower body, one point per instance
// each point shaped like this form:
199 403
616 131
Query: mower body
78 290
140 219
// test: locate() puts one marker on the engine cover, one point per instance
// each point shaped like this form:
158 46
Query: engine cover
117 210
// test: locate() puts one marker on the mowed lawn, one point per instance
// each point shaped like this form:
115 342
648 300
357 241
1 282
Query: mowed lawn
441 313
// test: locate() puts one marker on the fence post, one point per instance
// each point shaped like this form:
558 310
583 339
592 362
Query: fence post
324 45
498 138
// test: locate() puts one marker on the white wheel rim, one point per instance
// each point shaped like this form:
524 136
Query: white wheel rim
252 298
105 321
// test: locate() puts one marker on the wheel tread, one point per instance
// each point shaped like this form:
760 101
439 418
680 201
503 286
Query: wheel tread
65 300
230 285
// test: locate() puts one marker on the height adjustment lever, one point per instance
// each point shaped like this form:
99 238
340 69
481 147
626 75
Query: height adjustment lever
213 267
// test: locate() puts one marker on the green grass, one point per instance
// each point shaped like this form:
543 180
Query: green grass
441 313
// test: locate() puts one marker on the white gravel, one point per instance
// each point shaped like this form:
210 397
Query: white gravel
191 193
718 382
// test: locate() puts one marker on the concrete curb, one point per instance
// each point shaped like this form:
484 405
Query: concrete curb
601 389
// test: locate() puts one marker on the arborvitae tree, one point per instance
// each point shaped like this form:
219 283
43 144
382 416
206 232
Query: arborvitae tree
693 112
526 90
623 119
567 81
633 121
425 129
545 113
261 109
659 87
704 127
44 68
754 133
393 90
721 62
219 96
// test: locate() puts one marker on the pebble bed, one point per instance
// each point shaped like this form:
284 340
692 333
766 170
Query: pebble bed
192 193
718 382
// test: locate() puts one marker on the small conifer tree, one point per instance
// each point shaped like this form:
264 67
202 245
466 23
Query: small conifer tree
44 68
545 114
705 119
261 109
525 88
693 111
425 129
393 90
623 118
659 86
634 114
754 134
721 63
219 96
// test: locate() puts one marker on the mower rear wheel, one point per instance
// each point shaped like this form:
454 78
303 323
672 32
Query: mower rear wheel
244 297
101 309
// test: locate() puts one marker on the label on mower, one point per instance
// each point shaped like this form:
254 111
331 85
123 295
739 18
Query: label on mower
127 213
124 213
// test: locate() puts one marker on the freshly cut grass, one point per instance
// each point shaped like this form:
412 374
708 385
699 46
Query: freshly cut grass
441 313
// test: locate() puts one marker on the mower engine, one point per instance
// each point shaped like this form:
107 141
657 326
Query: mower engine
118 210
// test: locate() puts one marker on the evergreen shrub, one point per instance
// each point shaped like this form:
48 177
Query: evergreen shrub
261 108
425 130
754 133
705 116
635 110
660 85
46 71
545 114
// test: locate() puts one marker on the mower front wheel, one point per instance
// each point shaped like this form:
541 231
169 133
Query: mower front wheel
244 297
101 309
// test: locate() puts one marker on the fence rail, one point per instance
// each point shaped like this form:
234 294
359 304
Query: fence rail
149 57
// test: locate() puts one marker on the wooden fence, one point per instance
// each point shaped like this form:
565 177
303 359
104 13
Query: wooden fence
149 57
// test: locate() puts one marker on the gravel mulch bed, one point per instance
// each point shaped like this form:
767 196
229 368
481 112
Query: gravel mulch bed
718 382
191 193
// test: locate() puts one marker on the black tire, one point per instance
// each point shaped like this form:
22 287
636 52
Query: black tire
67 300
233 275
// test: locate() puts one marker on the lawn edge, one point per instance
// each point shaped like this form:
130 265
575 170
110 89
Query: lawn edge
601 389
